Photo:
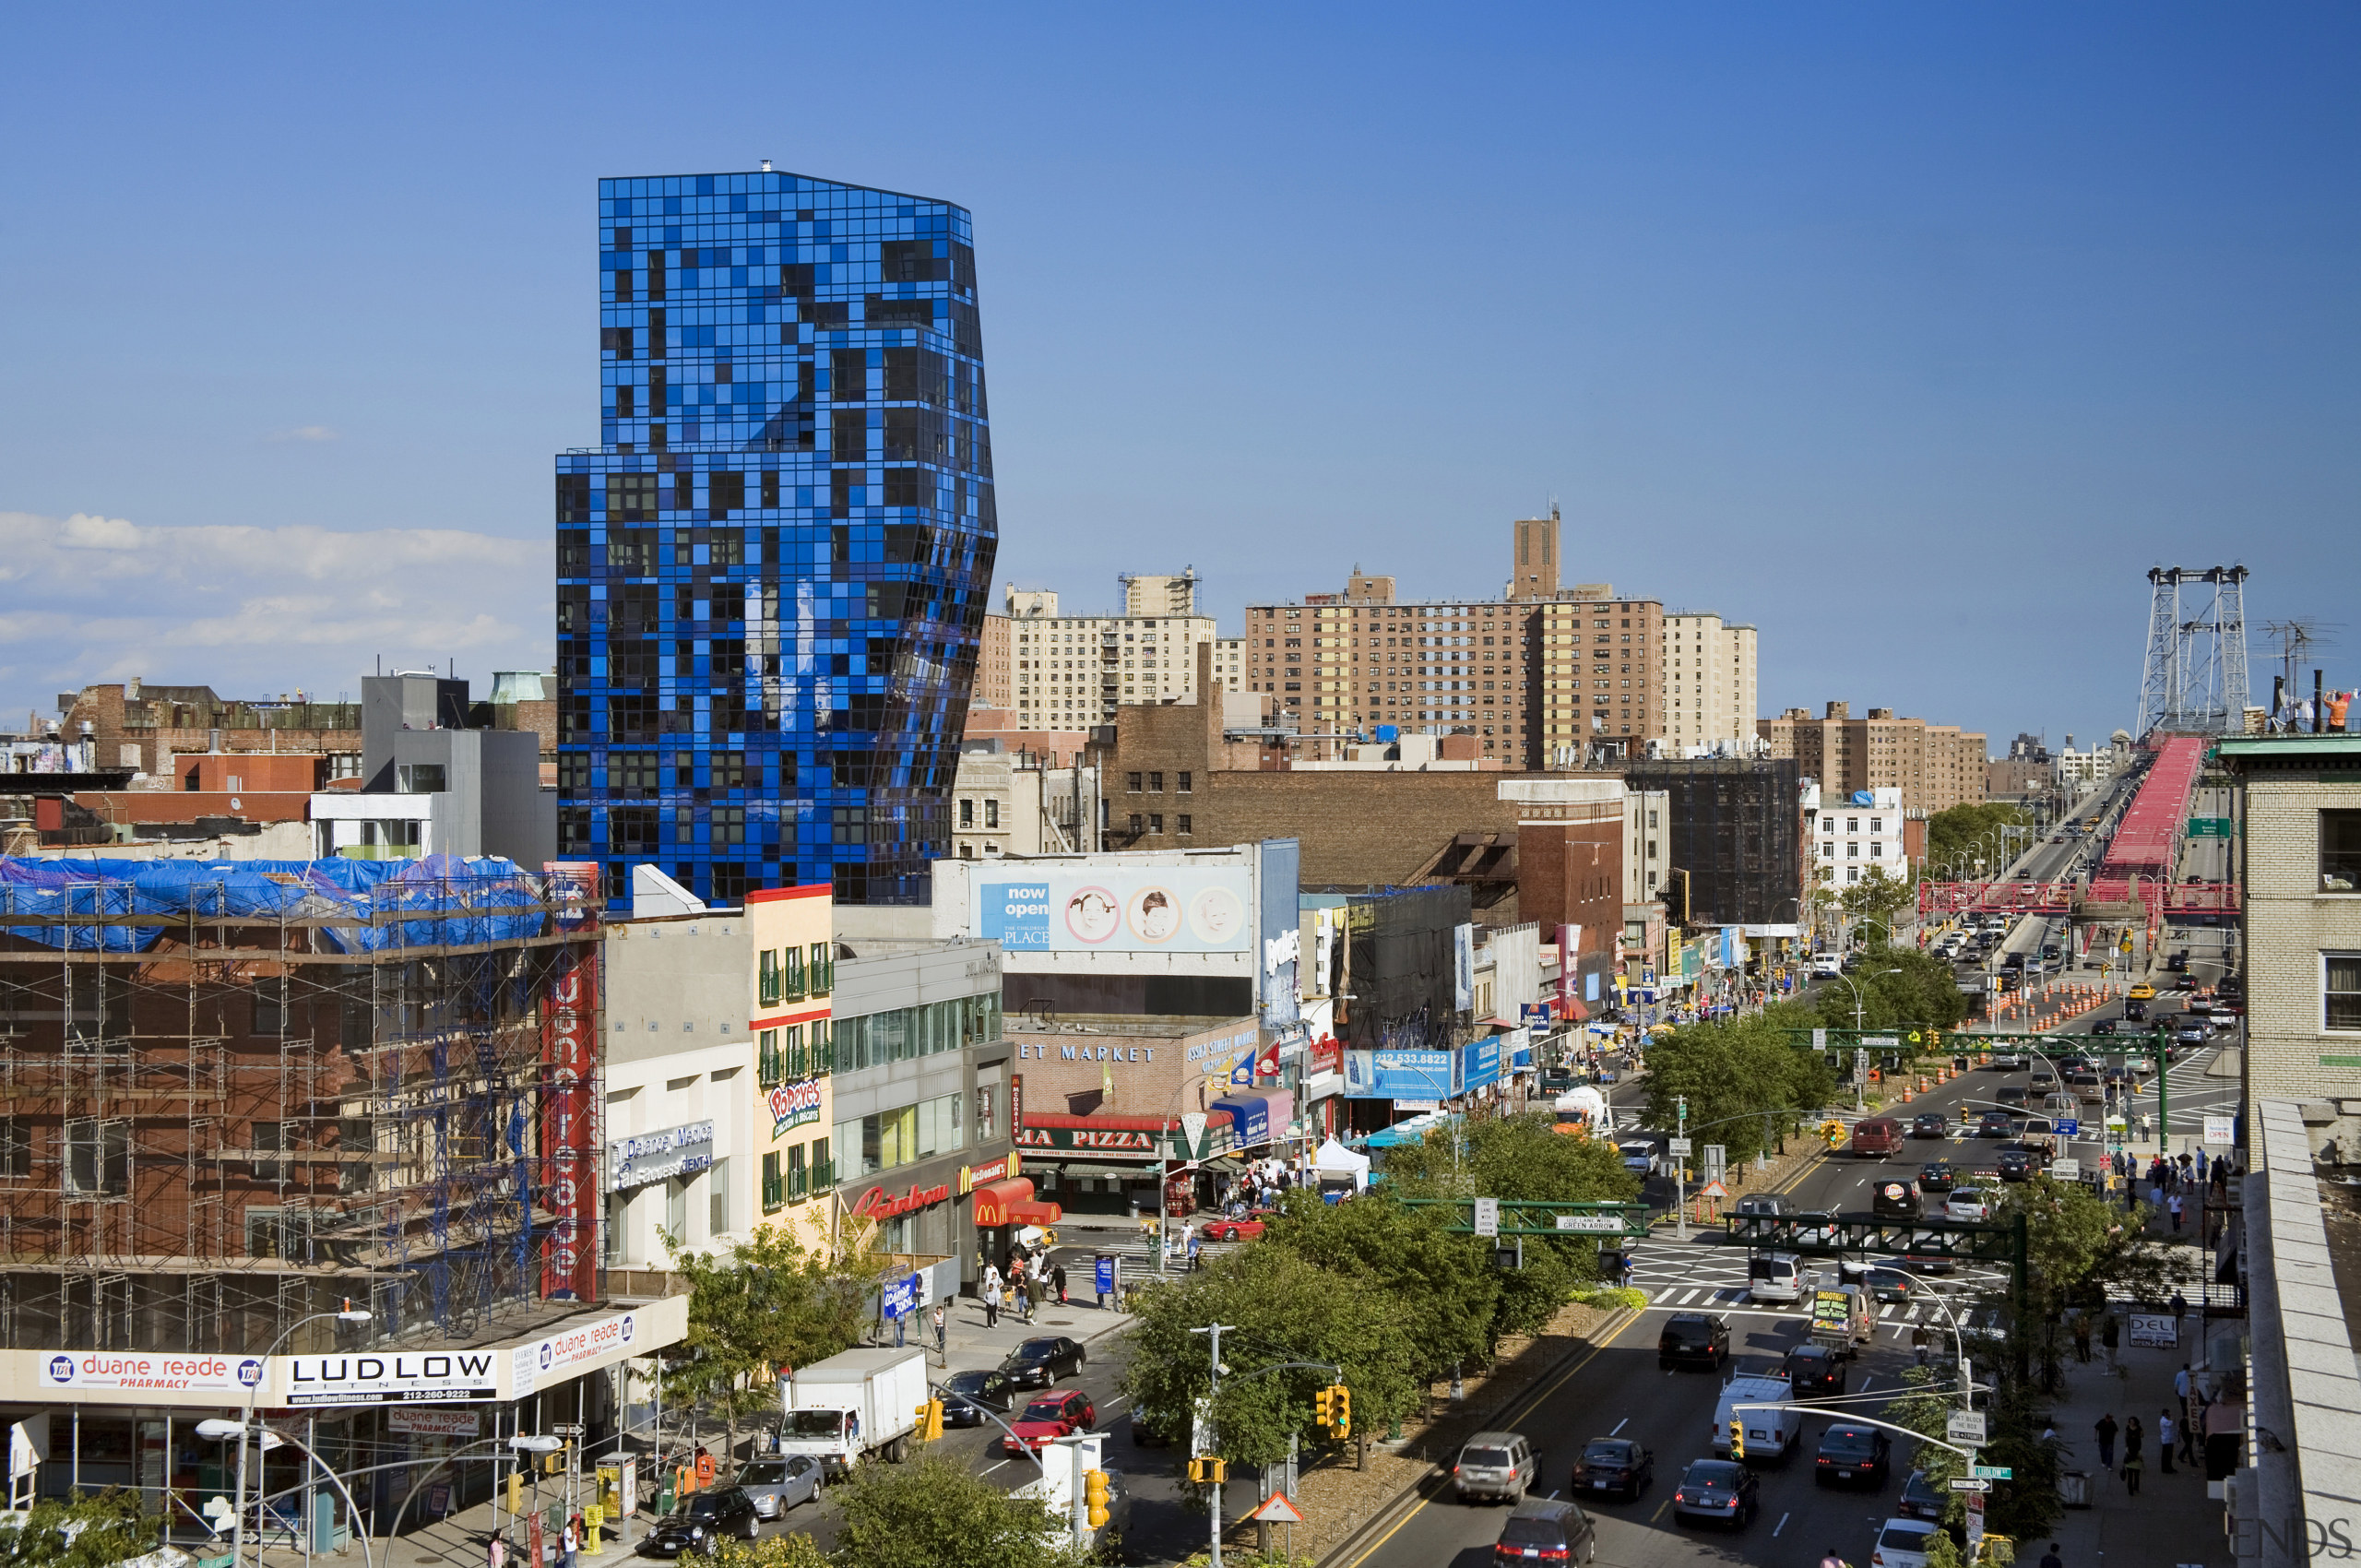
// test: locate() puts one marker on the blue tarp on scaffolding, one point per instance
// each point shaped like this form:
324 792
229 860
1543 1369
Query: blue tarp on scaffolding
439 902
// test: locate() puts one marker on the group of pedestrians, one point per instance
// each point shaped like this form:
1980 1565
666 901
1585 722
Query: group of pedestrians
1021 1290
2182 1428
562 1549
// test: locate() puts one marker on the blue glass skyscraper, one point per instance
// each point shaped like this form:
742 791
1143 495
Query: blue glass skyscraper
772 574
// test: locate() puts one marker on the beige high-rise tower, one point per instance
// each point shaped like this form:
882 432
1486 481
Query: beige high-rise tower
1533 564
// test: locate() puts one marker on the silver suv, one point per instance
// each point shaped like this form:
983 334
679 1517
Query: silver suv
1498 1466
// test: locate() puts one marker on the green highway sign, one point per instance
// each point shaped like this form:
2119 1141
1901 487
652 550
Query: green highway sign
2209 828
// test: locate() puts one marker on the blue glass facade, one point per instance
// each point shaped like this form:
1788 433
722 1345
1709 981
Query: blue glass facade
772 574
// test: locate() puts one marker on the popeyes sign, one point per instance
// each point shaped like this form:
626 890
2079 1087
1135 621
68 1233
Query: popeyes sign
794 1104
878 1204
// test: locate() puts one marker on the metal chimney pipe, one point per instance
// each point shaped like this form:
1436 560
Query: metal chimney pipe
2319 714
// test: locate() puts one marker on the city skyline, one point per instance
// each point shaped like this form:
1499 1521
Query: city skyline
1942 330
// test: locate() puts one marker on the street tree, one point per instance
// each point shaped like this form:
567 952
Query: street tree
1875 901
82 1531
2015 1417
1446 1287
1276 1305
2080 1252
935 1511
762 1307
1747 1079
1952 834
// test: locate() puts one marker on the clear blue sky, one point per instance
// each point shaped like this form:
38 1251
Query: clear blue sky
1913 335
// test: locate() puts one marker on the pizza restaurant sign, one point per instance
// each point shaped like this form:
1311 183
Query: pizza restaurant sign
1108 1140
878 1204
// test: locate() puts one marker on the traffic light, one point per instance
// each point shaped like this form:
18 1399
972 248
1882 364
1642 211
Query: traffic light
1324 1405
1737 1438
516 1491
1094 1497
1344 1427
1208 1472
929 1420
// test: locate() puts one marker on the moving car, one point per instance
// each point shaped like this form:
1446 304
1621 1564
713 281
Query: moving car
1935 1176
2142 992
2135 1011
1851 1456
1765 1204
2022 1164
2009 1062
1774 1276
1895 1200
1245 1229
1639 1158
1047 1418
1967 1203
1497 1465
1879 1136
1901 1543
1720 1489
1890 1285
1815 1227
1694 1340
1931 1125
973 1392
1920 1499
1995 1124
1615 1466
2192 1031
2104 1027
700 1522
777 1485
1815 1369
1546 1530
1037 1363
1927 1255
2012 1093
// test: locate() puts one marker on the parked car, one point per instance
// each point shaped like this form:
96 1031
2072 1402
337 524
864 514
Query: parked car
1047 1418
972 1393
1037 1363
1614 1466
1852 1454
1814 1370
1243 1228
1495 1466
1920 1499
1931 1125
1967 1203
700 1522
777 1485
1694 1340
1720 1489
1935 1176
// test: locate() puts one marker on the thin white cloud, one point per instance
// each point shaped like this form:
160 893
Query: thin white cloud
304 433
254 612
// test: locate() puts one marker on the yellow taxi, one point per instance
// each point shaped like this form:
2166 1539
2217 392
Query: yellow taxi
2143 991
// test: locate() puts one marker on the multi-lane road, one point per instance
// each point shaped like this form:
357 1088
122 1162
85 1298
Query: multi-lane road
1617 1388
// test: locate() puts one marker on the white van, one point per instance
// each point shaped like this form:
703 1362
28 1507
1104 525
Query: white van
1770 1434
1774 1276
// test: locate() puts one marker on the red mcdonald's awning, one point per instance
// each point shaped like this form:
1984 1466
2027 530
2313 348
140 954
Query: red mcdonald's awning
997 1204
1036 1213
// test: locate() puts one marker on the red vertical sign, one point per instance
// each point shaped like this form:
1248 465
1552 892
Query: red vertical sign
569 1150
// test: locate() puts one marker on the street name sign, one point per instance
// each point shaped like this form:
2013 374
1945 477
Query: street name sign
1991 1472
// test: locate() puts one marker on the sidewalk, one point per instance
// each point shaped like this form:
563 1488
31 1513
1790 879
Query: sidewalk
2172 1520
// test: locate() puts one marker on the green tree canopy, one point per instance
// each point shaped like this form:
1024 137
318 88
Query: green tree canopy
1278 1305
1951 833
935 1511
82 1532
2080 1251
1735 1075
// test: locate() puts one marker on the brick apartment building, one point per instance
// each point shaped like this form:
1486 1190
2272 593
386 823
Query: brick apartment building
1936 767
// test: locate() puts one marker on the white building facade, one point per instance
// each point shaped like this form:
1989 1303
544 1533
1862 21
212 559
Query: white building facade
1071 671
1857 832
1709 683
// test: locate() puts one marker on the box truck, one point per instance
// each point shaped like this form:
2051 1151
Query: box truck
853 1404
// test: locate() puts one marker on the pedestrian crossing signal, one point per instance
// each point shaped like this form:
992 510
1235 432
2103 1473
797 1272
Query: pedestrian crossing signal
1209 1472
1094 1497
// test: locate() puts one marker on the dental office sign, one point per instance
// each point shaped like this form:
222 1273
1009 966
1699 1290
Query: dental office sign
656 1157
1118 909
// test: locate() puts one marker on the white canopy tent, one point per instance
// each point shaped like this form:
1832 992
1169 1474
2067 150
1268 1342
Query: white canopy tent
1335 1163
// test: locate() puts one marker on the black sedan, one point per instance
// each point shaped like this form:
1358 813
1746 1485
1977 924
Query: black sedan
1996 1125
1931 1125
1694 1340
1615 1467
1720 1489
700 1522
1814 1369
2104 1027
2021 1164
1038 1363
972 1393
1852 1455
1936 1176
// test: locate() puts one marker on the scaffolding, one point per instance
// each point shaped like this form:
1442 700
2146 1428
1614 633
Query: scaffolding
237 1095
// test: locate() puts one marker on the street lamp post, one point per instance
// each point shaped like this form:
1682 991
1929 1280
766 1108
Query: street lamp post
347 1314
1860 1085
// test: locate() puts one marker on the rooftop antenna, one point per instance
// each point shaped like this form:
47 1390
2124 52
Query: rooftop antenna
2294 637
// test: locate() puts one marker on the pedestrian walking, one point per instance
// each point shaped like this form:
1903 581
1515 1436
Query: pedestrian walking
941 1332
2133 1466
495 1552
2165 1441
2110 1335
2135 1439
2083 1338
901 1327
569 1542
991 1281
1058 1281
992 1302
2050 1559
2106 1426
2180 1379
1920 1341
2172 1205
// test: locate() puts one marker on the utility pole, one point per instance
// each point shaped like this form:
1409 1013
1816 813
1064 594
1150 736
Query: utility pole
1680 1171
1215 1331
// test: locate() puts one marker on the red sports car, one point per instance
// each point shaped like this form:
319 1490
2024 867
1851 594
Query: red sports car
1049 1418
1245 1229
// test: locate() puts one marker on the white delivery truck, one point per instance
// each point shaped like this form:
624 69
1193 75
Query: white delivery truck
853 1404
1770 1434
